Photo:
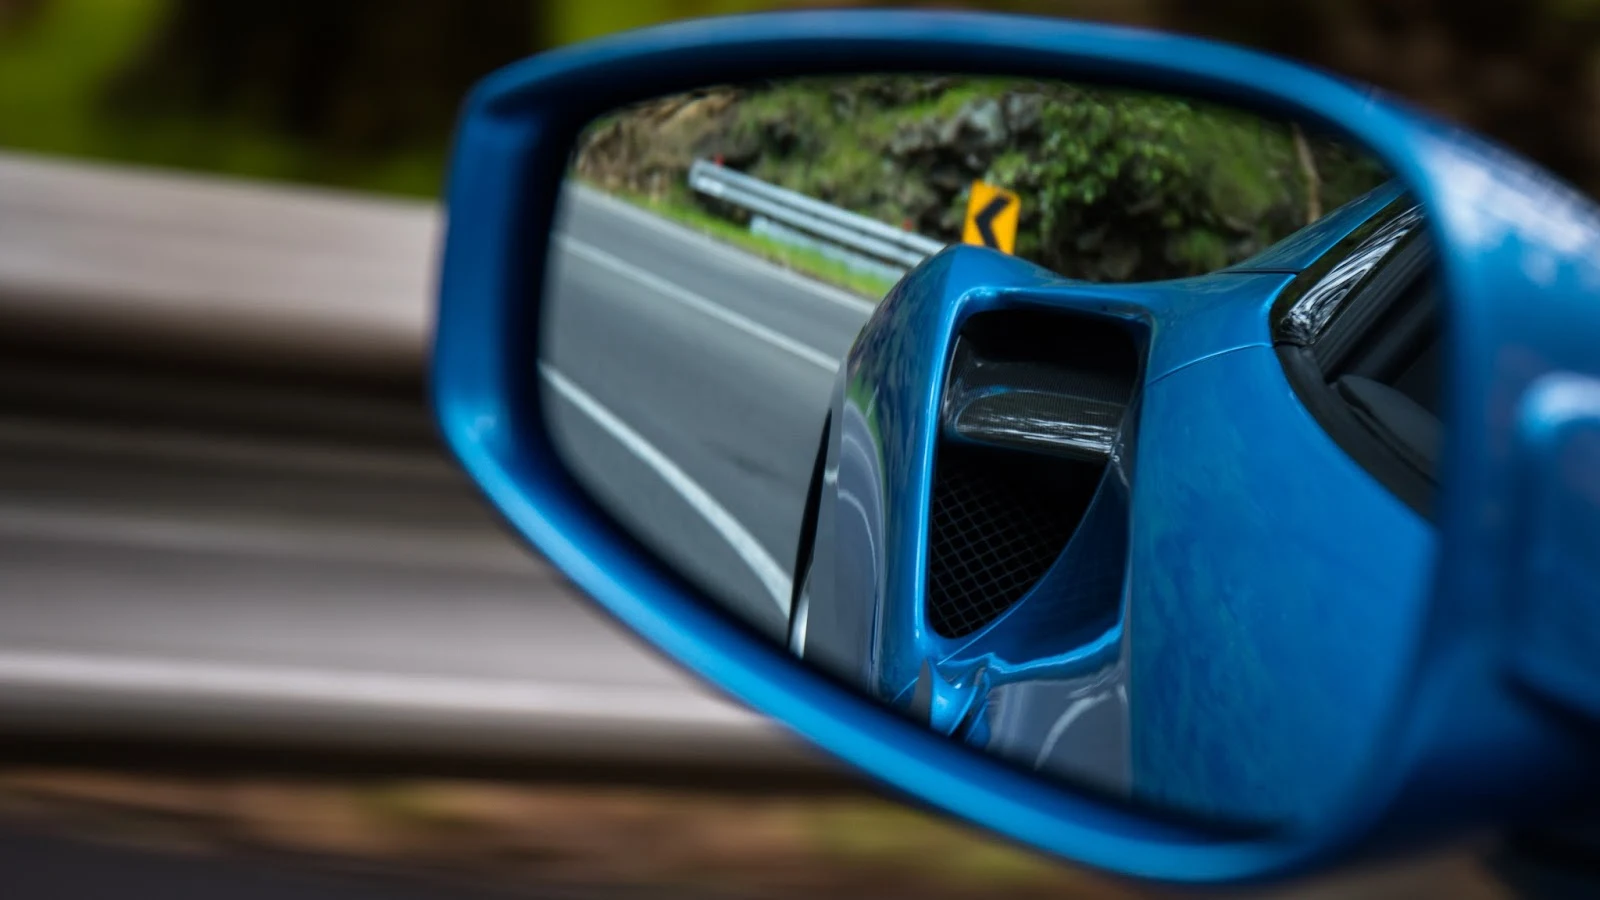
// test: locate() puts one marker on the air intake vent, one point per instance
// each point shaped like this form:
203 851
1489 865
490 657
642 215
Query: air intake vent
999 519
1032 406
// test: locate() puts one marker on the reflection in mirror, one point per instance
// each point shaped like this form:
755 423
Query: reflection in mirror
1189 340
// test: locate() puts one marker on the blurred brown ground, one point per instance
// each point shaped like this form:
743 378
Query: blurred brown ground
735 844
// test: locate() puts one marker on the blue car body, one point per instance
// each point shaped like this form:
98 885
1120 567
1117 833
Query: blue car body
1106 669
1483 721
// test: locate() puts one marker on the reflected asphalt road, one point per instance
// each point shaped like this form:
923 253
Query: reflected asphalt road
690 383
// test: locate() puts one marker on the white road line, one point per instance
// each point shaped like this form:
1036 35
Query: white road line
249 685
698 303
771 575
709 245
1077 709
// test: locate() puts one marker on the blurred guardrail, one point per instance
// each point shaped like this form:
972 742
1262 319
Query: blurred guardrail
858 241
225 516
138 261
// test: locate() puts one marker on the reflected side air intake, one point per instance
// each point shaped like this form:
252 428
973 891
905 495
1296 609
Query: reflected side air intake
1031 409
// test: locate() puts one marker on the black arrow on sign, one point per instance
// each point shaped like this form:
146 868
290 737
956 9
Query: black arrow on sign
985 219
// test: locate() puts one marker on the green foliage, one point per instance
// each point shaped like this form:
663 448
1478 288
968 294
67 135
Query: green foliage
1115 185
53 65
1126 185
565 21
56 69
1106 157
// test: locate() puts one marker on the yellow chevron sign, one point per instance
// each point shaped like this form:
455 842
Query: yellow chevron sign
992 217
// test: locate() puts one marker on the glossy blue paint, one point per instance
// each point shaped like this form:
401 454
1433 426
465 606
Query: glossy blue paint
1558 624
894 376
1461 744
1317 620
1263 664
1279 591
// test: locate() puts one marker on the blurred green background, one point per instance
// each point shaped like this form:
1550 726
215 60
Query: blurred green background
351 93
362 93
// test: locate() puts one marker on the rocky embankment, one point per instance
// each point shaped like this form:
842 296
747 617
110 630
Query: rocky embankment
1115 186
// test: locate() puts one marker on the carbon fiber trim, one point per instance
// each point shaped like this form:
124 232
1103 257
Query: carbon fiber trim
1033 404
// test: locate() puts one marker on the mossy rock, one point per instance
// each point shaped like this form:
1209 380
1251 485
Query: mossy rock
1115 185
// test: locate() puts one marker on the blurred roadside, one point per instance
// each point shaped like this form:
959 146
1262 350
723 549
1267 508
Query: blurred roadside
574 839
361 93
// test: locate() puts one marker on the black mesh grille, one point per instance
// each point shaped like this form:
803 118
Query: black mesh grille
1032 404
999 519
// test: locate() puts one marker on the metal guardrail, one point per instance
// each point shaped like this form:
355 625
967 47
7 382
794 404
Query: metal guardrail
206 376
787 215
137 259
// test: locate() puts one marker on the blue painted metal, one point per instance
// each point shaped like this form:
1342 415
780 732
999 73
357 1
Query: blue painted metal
1317 619
1557 648
1276 594
1457 743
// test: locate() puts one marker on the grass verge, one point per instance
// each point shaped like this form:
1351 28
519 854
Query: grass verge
682 210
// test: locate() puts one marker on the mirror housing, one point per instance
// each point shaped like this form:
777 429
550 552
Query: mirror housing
1519 253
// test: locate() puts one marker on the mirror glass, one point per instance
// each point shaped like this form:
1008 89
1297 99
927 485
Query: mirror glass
1092 428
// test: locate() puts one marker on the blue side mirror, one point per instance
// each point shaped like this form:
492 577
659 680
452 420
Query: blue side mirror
1166 455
